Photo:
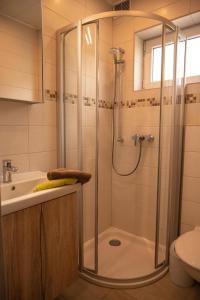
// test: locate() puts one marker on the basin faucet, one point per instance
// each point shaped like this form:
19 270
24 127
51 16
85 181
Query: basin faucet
8 169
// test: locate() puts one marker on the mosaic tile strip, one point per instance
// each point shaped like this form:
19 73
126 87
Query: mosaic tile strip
88 101
139 102
192 98
50 95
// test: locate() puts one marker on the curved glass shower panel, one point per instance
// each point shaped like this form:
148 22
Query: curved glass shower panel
71 99
167 75
127 115
133 195
89 147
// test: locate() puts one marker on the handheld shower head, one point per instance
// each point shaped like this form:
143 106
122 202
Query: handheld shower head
117 55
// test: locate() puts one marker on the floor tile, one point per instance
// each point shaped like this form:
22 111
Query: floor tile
83 290
118 295
163 289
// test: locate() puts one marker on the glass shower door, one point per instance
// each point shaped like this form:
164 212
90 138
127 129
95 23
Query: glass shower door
170 140
89 77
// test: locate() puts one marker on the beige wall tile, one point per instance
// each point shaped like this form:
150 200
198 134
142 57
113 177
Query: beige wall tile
192 164
49 47
191 189
42 138
21 161
186 228
175 10
190 213
12 113
43 161
192 142
194 5
53 22
152 5
14 140
192 113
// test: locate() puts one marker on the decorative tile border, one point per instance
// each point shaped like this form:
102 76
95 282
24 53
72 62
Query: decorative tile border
140 102
192 98
88 101
50 95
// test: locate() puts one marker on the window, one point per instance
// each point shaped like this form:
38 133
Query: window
156 65
192 59
152 54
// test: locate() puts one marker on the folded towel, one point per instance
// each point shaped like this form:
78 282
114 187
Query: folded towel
54 183
82 177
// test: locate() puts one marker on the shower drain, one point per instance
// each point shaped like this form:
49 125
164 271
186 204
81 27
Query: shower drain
115 243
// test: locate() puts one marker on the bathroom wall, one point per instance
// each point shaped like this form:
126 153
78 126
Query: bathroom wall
133 198
190 204
28 132
191 175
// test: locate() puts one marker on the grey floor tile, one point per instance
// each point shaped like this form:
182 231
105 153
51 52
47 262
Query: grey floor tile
163 289
118 295
83 290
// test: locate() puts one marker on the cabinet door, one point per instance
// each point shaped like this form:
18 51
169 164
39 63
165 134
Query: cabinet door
22 254
59 244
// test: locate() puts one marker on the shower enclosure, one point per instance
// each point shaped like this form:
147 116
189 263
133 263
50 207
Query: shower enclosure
128 137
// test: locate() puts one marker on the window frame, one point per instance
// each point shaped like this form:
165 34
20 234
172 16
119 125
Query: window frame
149 45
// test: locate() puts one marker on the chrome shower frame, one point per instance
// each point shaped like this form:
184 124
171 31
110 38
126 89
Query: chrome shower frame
92 275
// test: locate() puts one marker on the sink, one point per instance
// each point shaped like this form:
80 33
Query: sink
22 184
19 195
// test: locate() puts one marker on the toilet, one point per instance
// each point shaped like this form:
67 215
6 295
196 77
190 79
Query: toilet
185 259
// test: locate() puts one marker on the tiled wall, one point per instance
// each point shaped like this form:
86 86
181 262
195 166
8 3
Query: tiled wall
190 203
191 174
138 119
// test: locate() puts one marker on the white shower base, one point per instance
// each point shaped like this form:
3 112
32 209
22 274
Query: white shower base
133 258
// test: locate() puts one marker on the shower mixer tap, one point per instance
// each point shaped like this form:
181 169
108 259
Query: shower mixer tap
138 138
120 139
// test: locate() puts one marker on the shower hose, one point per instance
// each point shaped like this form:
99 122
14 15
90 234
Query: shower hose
113 139
113 162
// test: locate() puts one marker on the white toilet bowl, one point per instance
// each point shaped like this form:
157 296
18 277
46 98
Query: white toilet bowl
185 258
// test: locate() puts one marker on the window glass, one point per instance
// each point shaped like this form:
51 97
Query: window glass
192 60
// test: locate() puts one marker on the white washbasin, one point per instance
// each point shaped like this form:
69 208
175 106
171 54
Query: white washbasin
22 184
19 195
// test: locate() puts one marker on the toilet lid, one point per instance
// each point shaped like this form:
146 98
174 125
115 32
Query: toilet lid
187 247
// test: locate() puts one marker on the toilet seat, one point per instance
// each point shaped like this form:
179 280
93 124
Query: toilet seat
187 248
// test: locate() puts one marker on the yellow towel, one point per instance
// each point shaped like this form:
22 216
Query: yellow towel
53 184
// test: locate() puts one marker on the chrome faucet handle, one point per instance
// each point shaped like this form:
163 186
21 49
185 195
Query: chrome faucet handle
149 138
6 163
8 169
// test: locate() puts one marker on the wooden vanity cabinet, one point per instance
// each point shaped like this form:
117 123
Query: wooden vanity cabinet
40 249
22 254
59 245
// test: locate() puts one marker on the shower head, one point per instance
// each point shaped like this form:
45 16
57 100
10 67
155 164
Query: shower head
117 55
